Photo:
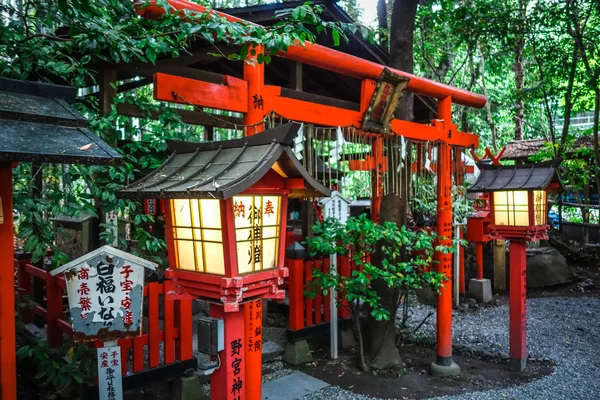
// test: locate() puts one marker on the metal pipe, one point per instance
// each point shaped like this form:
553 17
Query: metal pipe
334 60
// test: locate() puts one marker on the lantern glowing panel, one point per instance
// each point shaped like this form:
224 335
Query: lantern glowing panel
197 235
257 222
511 208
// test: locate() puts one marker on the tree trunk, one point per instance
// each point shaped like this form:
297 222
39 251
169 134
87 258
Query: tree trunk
382 23
380 343
488 105
519 69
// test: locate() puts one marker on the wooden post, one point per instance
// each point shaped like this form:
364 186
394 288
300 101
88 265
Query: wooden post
53 311
443 365
499 265
229 382
254 74
296 288
479 259
518 316
253 326
8 362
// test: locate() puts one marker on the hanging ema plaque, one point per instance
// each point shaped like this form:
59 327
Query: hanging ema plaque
105 290
384 102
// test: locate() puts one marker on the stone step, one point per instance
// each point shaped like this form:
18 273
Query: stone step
291 387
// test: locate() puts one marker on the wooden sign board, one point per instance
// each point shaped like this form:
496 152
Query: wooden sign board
384 102
105 290
110 376
336 206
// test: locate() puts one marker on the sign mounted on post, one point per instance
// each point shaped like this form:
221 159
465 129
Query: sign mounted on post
336 206
110 377
105 290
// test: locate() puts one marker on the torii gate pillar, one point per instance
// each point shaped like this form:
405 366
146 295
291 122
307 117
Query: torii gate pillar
443 364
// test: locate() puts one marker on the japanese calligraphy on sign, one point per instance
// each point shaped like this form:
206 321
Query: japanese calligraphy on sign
105 290
257 222
384 102
237 383
336 206
110 380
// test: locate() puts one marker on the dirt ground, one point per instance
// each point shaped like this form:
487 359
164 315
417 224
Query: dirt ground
478 373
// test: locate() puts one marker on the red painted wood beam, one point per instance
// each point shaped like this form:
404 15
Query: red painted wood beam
333 60
8 343
234 97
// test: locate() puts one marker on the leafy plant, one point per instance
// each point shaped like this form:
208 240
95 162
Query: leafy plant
60 369
406 257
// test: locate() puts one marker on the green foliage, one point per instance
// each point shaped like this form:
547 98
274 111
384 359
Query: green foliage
405 257
60 368
70 41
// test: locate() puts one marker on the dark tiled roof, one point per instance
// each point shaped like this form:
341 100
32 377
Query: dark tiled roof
38 123
516 177
222 169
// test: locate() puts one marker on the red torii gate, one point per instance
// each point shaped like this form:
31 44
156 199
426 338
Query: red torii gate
238 95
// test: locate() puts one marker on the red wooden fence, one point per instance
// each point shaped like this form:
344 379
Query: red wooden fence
175 334
305 312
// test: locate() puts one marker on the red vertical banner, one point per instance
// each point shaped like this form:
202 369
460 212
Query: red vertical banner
518 316
253 333
228 382
8 375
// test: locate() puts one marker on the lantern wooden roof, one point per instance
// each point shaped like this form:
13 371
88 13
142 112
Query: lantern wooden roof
220 170
38 123
539 176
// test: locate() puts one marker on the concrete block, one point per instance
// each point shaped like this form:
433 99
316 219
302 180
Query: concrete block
346 339
480 290
188 388
442 371
298 353
271 350
291 387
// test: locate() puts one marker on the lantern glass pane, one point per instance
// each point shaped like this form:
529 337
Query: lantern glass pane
257 220
511 208
211 213
215 263
540 212
185 255
197 235
181 208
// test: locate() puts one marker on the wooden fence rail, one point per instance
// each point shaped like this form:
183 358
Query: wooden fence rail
305 312
175 334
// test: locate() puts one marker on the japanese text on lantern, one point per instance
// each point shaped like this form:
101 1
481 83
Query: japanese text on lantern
257 231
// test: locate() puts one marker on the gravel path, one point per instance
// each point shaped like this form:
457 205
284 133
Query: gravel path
565 330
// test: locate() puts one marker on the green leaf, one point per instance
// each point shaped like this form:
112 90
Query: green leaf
151 54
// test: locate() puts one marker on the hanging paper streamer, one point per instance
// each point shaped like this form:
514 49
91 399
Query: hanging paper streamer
336 151
299 142
427 159
402 154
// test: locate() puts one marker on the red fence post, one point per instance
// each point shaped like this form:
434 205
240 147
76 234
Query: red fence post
318 265
344 270
24 283
153 339
53 310
294 256
184 350
169 325
308 303
327 298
